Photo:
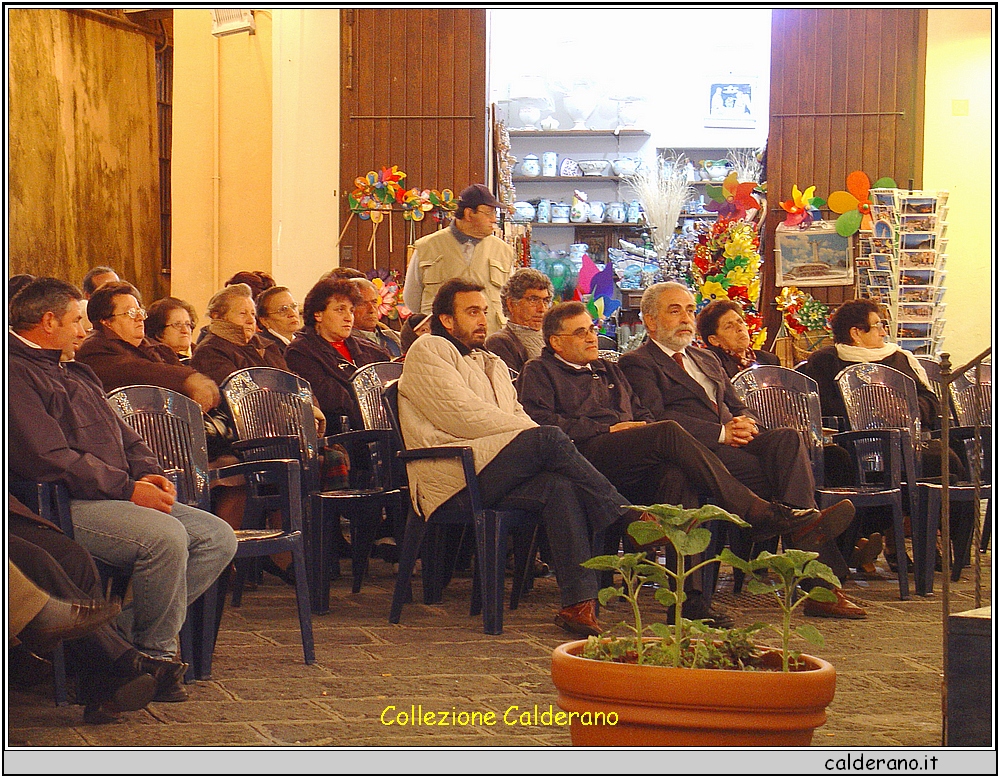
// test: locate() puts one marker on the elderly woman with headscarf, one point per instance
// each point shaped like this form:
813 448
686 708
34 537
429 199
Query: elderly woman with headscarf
232 342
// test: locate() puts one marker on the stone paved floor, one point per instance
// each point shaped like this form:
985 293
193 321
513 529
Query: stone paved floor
261 693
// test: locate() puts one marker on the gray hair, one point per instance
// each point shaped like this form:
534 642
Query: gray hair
650 304
367 284
520 281
221 301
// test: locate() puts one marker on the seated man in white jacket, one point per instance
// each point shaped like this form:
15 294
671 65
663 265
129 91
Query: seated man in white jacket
452 392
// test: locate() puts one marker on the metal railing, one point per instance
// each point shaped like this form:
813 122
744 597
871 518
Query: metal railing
947 377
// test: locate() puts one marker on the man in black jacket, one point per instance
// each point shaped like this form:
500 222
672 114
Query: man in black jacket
122 505
591 400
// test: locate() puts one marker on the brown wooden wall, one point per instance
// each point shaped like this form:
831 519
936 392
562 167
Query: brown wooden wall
84 169
413 94
847 93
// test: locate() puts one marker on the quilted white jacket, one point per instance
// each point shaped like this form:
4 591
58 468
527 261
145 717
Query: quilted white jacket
446 399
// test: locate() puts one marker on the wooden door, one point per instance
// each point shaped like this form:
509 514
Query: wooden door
847 93
413 94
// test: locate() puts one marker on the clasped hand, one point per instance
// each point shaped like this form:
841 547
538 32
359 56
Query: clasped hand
156 492
740 430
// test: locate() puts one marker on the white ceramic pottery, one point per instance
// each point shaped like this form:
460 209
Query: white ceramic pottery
616 213
530 166
626 166
560 213
593 167
579 211
598 209
549 160
543 213
524 211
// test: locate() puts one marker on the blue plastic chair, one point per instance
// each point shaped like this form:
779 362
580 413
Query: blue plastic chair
51 502
272 413
878 397
172 426
781 397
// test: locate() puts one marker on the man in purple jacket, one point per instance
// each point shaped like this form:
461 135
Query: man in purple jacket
122 505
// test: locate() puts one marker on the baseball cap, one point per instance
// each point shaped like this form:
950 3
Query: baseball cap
475 195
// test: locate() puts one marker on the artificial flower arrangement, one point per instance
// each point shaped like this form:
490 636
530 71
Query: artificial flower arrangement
390 294
726 265
801 312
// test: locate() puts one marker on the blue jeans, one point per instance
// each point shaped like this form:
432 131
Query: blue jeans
173 558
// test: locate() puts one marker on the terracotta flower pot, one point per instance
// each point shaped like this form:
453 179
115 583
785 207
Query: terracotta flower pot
666 706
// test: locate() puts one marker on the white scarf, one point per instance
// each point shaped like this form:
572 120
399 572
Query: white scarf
861 354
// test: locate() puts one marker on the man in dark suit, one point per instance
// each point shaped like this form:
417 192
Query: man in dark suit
688 385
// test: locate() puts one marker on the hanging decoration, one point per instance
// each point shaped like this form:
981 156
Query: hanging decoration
595 288
855 205
733 199
803 208
726 266
377 194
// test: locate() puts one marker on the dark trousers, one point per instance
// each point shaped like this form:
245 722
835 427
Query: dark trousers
541 471
62 567
774 466
661 462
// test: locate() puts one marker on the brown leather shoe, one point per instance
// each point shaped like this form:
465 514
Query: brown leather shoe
829 525
580 619
71 620
841 609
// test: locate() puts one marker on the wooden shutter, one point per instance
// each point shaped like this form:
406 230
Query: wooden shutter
847 93
413 94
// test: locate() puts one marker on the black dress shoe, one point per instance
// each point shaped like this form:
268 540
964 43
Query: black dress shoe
167 673
808 528
133 694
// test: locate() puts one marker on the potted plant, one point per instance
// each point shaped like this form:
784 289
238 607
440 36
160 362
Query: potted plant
687 684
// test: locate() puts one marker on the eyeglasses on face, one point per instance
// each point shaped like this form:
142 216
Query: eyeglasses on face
536 300
284 310
136 314
583 332
182 326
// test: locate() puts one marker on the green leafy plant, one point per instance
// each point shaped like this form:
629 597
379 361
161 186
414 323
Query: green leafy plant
787 572
688 643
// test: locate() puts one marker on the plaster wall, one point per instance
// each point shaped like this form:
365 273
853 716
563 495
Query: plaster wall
959 143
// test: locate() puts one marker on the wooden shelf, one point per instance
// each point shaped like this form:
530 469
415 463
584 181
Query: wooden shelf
622 133
560 179
608 225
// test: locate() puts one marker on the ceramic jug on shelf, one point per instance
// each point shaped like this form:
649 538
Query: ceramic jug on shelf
530 166
549 160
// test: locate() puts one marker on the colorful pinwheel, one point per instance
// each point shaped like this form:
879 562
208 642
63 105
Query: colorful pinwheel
803 208
733 199
854 205
387 284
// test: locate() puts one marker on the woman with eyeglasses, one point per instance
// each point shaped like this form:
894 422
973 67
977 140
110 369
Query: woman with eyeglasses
859 335
278 316
121 354
171 321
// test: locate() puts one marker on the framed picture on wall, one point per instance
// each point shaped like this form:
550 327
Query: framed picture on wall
816 256
731 103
